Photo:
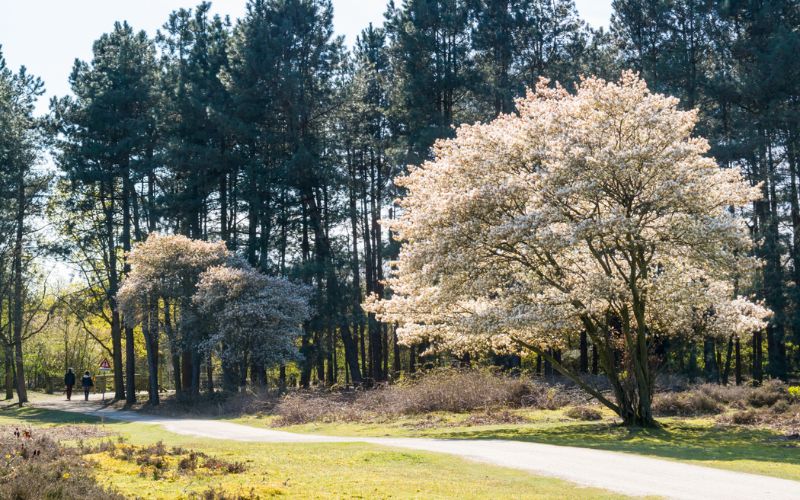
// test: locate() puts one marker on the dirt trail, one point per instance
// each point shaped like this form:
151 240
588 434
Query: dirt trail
619 472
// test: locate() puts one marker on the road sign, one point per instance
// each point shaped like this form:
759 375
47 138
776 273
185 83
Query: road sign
105 365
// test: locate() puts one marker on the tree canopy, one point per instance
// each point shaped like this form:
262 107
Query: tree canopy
594 211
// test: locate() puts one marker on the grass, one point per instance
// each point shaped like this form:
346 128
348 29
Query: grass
348 470
694 440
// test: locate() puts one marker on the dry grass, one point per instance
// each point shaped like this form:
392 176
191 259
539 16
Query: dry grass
457 391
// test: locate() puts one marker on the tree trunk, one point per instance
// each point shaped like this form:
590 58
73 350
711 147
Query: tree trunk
130 348
710 367
186 371
738 350
210 374
584 350
396 367
758 371
151 334
9 362
22 391
107 201
230 382
175 355
728 360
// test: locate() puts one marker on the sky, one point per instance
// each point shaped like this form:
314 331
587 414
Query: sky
48 35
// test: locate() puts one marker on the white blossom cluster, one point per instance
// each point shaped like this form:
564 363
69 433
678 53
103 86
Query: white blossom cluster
580 208
220 303
253 313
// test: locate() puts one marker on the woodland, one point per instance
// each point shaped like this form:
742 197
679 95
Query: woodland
249 203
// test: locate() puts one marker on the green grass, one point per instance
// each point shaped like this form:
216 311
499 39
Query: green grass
349 470
700 441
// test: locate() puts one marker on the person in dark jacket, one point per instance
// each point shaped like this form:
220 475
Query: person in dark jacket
87 383
69 382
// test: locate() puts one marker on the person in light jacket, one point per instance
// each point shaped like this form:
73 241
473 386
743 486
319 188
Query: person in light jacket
87 383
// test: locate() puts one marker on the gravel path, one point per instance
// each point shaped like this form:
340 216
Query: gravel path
619 472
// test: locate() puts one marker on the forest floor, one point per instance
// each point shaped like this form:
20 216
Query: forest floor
586 453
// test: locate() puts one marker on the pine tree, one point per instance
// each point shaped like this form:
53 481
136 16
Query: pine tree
434 70
106 134
22 138
196 149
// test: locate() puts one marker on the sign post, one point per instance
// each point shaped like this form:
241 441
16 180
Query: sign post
105 366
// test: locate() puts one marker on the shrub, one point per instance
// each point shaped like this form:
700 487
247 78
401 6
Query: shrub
301 408
548 398
584 413
155 460
781 406
189 462
767 394
493 417
454 391
685 404
725 394
220 494
744 417
794 392
215 464
39 467
438 390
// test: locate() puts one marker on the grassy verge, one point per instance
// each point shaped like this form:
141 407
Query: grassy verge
695 440
306 470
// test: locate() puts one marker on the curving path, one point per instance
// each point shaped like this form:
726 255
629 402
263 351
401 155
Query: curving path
619 472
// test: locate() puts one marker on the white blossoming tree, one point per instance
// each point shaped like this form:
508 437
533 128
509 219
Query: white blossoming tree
254 317
158 292
595 211
207 302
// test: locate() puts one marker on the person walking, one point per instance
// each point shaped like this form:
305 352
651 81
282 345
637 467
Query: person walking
87 383
69 382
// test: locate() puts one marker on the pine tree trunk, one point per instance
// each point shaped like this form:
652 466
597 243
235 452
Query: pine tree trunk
107 201
130 347
150 332
728 360
9 368
210 374
22 391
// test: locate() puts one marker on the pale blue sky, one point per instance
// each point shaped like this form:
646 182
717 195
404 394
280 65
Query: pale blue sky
47 35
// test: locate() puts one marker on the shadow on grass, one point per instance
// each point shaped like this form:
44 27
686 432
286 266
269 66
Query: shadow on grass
40 416
677 440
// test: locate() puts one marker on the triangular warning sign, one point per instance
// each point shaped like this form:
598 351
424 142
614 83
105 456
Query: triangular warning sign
104 365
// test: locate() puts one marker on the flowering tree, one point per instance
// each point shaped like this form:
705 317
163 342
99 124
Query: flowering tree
207 301
254 316
164 274
594 212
